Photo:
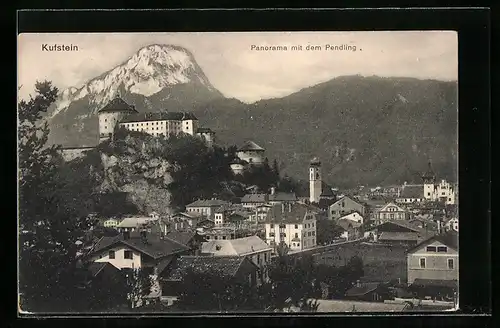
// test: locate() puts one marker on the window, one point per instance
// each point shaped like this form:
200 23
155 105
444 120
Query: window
431 248
296 235
105 127
451 264
296 226
343 204
298 244
314 233
422 263
449 199
216 237
258 258
224 237
442 249
105 120
111 254
334 212
128 255
428 194
309 233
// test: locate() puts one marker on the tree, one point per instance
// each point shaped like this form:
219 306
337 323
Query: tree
53 211
215 293
327 231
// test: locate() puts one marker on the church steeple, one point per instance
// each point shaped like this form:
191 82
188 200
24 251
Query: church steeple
315 183
429 176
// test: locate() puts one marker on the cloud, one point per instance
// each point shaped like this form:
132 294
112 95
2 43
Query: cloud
236 70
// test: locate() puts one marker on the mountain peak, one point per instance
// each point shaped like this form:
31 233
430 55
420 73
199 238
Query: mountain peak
150 70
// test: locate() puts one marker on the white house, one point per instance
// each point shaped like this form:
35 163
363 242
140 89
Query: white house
294 225
259 214
134 250
354 217
391 212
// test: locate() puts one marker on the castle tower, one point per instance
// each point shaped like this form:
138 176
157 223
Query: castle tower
111 114
429 182
315 180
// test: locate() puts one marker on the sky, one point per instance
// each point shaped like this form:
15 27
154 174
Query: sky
239 71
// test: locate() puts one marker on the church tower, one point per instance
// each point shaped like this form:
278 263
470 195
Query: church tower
429 182
315 183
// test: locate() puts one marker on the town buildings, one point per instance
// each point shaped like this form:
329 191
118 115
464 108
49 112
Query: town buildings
205 207
294 225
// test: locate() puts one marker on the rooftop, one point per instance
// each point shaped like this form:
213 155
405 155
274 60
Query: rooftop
235 247
250 145
132 222
159 116
402 236
226 266
346 224
117 105
412 191
296 215
281 196
154 246
449 239
208 203
254 198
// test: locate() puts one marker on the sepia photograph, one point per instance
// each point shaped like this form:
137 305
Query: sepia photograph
238 172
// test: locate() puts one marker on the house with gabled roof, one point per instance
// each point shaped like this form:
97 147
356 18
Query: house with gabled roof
411 194
433 265
390 212
345 205
136 249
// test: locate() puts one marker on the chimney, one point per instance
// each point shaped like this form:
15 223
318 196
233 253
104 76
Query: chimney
273 190
358 283
282 207
126 234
